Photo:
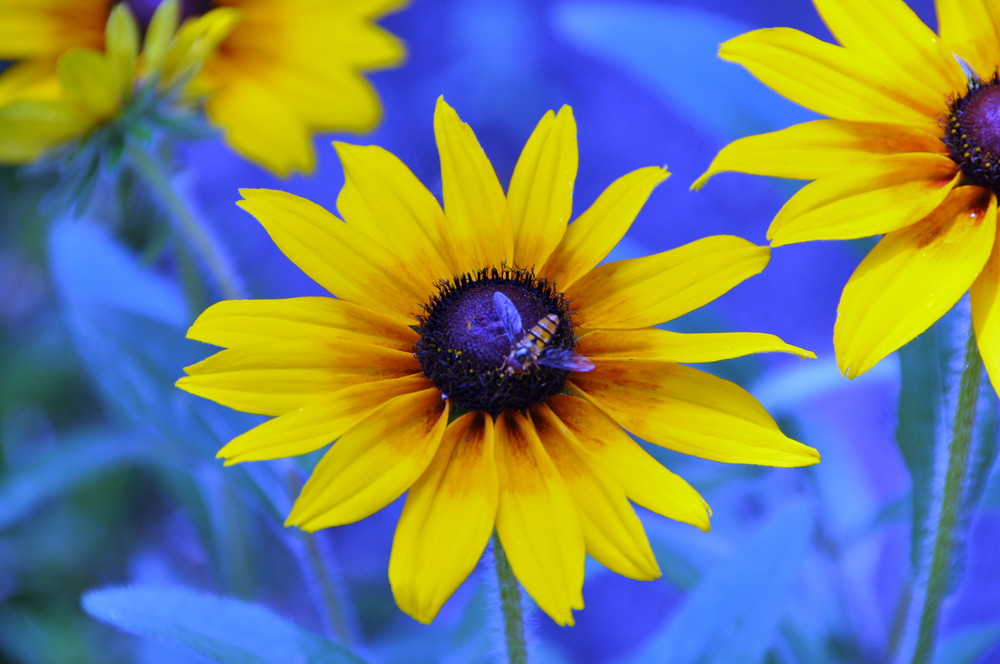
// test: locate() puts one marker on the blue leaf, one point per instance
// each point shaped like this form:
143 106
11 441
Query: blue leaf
90 269
220 628
732 615
127 324
673 51
968 646
77 461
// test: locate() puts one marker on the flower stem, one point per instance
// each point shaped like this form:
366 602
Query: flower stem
187 222
510 606
945 529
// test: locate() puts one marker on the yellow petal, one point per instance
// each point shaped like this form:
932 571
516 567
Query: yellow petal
540 195
317 97
319 423
878 196
612 532
985 298
972 29
240 322
537 522
818 149
640 292
912 277
160 32
122 47
664 346
373 463
645 480
590 238
29 129
447 519
383 198
473 200
29 80
272 378
88 79
42 29
832 80
259 127
336 33
890 31
196 40
345 261
690 411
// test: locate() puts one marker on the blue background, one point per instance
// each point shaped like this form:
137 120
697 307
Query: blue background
108 476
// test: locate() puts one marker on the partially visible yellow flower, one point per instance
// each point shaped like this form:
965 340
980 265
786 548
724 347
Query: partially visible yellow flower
479 358
912 151
95 86
295 67
270 72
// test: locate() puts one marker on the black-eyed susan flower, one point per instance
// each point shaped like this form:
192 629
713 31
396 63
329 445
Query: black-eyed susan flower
912 151
478 358
271 72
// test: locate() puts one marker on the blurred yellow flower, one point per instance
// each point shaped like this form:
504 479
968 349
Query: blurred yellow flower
912 151
497 396
270 72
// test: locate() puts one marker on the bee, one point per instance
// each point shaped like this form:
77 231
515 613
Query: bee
531 347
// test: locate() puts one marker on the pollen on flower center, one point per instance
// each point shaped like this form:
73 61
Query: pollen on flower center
468 332
972 133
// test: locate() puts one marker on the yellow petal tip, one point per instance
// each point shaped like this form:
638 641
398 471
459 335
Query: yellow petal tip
701 181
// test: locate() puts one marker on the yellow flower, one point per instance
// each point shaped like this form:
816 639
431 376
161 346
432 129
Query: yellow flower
271 72
412 368
912 152
62 95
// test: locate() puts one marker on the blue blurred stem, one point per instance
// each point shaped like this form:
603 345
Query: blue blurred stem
233 559
317 562
946 516
187 222
510 606
318 565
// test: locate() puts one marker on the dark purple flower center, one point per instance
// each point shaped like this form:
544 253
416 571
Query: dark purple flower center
464 345
972 133
143 10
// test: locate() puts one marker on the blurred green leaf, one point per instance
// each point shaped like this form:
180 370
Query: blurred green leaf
923 367
673 50
732 615
75 462
220 628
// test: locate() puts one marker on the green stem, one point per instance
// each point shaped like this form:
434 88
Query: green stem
187 222
510 606
944 532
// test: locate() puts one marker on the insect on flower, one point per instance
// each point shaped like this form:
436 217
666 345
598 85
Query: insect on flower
532 347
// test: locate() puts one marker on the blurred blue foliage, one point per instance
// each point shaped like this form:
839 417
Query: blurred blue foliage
108 476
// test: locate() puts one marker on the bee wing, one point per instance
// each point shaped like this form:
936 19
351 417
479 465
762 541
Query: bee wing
508 315
561 358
